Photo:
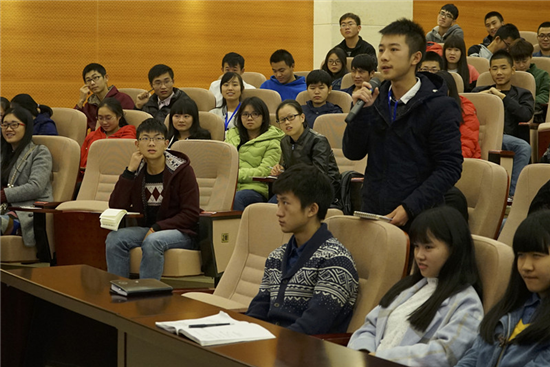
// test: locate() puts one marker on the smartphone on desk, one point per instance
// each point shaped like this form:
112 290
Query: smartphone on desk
371 216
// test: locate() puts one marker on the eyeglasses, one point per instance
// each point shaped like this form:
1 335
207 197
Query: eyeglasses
11 125
247 115
334 62
105 118
288 118
431 70
446 14
94 79
156 139
348 24
158 83
543 36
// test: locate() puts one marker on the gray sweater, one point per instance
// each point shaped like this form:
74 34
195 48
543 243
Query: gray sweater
434 35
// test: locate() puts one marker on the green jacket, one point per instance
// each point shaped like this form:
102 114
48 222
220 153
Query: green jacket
542 79
256 157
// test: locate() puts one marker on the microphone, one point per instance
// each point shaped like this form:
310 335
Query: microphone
375 83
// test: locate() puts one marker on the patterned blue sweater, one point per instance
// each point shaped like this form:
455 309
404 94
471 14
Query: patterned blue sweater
316 295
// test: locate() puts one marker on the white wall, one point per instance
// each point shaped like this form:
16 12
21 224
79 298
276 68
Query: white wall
374 15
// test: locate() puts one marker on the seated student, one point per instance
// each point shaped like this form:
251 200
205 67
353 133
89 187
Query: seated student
429 318
516 331
303 145
234 63
161 79
4 106
493 21
259 149
504 37
522 51
162 186
518 107
184 122
431 62
353 44
97 88
310 284
363 68
283 79
336 66
318 89
42 123
231 89
112 124
446 20
409 128
26 172
543 35
455 61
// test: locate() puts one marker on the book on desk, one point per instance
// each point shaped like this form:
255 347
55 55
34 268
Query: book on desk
139 287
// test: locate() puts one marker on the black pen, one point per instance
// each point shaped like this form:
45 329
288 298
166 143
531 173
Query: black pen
195 326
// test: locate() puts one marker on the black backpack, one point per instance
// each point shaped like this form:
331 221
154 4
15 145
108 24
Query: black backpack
350 196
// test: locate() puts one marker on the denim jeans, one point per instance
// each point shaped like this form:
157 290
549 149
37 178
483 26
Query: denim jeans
119 243
244 198
522 151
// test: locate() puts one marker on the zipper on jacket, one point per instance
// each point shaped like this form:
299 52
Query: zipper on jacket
503 342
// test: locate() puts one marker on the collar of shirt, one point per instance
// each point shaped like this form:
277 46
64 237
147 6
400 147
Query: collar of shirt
165 102
410 93
530 307
295 252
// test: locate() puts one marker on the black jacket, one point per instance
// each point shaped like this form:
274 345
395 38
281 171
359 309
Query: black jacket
362 47
152 105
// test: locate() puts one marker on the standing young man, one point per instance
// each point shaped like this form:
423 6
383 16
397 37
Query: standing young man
353 44
409 128
96 89
310 284
543 35
162 186
232 62
161 79
283 79
446 25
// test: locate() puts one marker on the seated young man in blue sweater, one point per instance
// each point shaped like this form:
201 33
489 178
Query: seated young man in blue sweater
319 87
283 79
310 284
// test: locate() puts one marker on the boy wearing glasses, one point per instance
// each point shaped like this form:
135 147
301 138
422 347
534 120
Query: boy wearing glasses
161 79
353 44
504 37
543 35
162 186
96 89
446 20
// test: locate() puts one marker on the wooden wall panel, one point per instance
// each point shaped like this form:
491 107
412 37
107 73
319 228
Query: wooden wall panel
526 15
46 44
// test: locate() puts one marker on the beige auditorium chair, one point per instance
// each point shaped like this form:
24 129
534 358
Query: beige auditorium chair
347 81
336 97
302 73
529 36
536 48
494 263
530 180
270 97
216 166
332 126
253 78
542 63
204 99
66 159
132 92
544 136
481 64
209 121
485 186
70 123
459 82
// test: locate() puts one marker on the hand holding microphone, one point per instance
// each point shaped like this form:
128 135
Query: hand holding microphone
365 97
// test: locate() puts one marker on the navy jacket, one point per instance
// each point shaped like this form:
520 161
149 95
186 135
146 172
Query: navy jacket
44 125
313 112
416 159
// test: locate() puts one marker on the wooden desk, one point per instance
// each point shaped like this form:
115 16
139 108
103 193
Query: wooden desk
66 314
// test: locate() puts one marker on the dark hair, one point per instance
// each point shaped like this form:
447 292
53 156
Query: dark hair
93 67
494 14
413 32
459 271
319 76
25 101
307 183
543 25
433 56
5 103
189 107
502 54
521 49
451 8
114 105
151 125
282 55
365 62
352 16
294 104
341 54
226 78
451 88
455 41
532 235
158 70
233 59
259 106
506 31
9 156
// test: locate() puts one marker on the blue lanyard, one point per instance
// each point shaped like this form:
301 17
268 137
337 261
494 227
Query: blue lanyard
389 107
234 112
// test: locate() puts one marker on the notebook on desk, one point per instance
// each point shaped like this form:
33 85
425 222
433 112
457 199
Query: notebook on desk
139 287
